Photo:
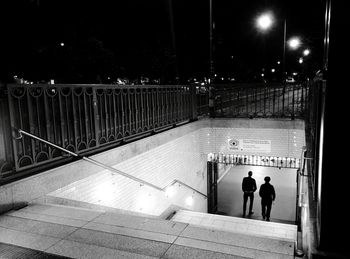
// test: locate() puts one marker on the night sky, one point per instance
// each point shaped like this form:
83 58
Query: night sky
161 39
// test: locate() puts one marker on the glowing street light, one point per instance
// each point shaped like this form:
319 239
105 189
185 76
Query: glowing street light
294 43
264 21
306 52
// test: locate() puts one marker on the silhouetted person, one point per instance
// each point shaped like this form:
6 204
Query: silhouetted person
268 195
248 188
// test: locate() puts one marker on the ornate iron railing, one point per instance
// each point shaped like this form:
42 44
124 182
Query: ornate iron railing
6 152
87 118
267 100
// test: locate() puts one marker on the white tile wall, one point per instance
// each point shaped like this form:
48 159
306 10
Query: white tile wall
183 158
284 142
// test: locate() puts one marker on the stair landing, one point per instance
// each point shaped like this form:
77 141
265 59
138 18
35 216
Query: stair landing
83 233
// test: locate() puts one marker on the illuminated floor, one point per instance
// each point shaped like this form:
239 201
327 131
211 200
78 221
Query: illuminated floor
230 195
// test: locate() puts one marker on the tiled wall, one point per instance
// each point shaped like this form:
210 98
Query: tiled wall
178 153
284 142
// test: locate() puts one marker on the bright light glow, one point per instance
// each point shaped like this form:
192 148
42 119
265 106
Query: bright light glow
306 52
264 21
262 74
278 62
62 44
189 201
294 74
273 70
301 60
170 191
294 43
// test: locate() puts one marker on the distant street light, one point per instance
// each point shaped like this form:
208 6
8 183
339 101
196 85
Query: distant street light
306 52
264 22
294 43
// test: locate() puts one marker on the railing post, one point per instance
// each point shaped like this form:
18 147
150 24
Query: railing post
6 149
194 106
96 116
293 103
212 192
211 102
12 123
209 181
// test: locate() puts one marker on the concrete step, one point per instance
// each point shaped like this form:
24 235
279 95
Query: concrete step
166 212
79 232
238 225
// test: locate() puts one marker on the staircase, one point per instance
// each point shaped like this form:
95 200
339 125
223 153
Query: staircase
85 233
238 225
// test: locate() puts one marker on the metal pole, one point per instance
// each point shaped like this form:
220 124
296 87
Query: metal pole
211 63
284 50
284 63
326 36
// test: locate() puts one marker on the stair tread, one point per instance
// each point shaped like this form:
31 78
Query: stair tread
129 234
238 225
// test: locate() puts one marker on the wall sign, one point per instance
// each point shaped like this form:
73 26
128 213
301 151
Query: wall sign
249 145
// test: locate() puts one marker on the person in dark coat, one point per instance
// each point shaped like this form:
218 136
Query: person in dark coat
248 188
268 195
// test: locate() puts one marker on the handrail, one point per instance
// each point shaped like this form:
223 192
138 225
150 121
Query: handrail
182 183
114 170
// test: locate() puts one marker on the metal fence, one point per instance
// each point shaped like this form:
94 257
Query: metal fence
85 118
272 100
6 152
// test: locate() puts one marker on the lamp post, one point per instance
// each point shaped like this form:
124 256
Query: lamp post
264 23
284 51
211 62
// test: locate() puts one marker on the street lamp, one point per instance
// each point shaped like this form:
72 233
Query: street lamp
211 62
264 22
306 52
294 43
